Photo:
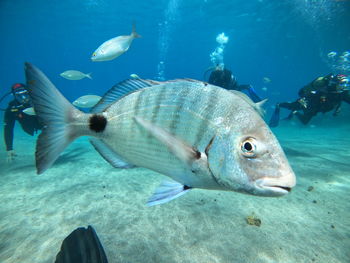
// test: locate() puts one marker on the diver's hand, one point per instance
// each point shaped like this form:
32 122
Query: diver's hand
303 102
11 156
336 112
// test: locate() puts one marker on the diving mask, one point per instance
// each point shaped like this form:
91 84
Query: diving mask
21 96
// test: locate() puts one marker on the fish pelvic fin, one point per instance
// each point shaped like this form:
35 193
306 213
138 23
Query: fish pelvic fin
167 191
89 75
134 34
56 114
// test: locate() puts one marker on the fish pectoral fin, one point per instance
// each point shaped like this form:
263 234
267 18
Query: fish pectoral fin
109 155
167 191
178 147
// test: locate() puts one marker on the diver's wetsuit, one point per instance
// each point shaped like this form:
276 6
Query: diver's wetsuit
14 111
224 79
318 96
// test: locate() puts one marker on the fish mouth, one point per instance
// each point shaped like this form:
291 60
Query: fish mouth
273 188
278 189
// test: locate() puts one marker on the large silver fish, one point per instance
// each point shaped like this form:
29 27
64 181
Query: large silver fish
200 135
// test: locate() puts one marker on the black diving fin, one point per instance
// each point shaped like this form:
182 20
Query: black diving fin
253 95
82 246
274 121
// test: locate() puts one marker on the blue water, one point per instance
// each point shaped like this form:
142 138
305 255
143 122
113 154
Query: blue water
286 41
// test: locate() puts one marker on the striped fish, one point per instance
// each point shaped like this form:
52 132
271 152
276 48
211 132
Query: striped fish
199 135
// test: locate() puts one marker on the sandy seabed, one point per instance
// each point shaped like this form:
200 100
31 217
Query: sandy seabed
38 211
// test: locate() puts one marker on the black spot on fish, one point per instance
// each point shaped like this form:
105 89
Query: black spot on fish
198 155
97 123
186 187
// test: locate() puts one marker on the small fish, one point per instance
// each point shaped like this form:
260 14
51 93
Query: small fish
264 88
134 76
199 135
346 54
266 80
75 75
332 54
114 47
86 101
29 111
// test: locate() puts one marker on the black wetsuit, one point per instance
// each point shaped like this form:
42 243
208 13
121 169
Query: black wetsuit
224 79
317 97
14 111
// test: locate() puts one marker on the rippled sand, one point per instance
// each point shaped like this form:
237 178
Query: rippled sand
38 211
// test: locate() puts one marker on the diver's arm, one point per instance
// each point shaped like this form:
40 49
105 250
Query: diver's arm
9 124
293 106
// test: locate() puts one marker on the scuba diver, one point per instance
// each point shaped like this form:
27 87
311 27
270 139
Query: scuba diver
321 95
223 78
13 112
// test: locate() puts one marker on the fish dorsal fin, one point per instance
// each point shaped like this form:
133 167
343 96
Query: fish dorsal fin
259 106
183 80
120 90
128 86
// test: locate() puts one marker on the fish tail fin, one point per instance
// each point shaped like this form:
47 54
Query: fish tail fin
89 75
134 33
58 117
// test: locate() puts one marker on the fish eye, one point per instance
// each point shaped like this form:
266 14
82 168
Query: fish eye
248 148
94 54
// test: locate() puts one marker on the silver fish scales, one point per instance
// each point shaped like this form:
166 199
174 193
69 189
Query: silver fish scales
199 135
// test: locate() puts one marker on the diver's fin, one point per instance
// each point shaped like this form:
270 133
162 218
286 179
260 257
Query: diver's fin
55 113
109 155
82 246
118 91
253 95
275 118
289 117
134 33
178 147
167 191
88 75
